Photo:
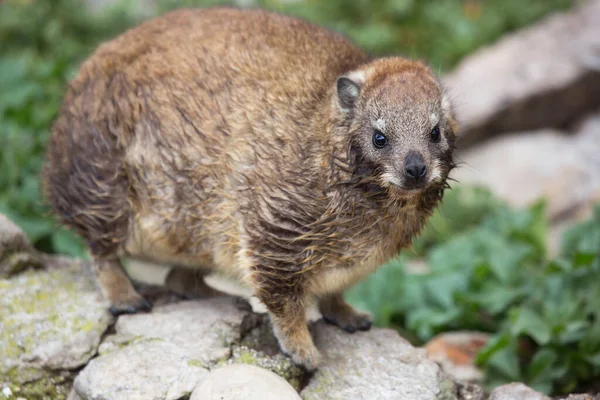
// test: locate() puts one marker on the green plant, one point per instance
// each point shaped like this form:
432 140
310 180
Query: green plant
493 276
551 339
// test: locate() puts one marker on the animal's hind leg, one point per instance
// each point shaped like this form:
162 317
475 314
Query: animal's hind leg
117 288
189 283
336 310
86 183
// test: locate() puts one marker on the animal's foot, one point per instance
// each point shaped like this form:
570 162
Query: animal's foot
348 319
306 356
131 305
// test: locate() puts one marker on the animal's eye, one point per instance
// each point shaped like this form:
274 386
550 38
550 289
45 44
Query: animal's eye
379 139
435 134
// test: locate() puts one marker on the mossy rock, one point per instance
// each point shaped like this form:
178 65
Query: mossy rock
51 322
279 364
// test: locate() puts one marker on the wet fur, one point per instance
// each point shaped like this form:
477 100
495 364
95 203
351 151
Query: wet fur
209 138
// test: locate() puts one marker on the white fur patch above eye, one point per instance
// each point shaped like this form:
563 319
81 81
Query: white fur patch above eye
434 119
379 124
357 76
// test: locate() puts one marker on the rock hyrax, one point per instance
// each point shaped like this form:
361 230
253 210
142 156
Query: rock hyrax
254 144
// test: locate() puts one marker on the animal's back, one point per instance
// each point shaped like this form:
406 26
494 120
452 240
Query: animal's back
238 65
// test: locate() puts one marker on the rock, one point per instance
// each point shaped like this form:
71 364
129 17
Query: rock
12 238
523 168
543 76
582 397
169 354
456 352
162 355
16 253
243 382
377 364
51 322
278 364
516 391
468 391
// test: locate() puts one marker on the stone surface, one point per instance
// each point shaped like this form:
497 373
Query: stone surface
377 364
243 382
50 322
276 363
522 168
16 253
162 355
456 352
516 391
543 76
470 391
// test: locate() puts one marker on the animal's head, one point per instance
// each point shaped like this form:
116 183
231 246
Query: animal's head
399 124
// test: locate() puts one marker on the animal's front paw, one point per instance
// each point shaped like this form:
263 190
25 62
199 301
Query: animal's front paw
307 357
349 320
130 305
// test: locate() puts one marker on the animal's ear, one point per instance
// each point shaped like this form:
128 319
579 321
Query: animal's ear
348 89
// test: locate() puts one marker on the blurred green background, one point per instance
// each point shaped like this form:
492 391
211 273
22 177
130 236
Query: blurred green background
487 267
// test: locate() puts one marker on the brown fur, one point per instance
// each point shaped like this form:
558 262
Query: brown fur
217 139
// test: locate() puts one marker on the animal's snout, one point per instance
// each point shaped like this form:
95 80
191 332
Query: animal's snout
414 168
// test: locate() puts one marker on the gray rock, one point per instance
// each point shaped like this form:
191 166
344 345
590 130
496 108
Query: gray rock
525 167
516 391
276 363
16 253
50 322
162 355
374 365
243 382
543 76
470 391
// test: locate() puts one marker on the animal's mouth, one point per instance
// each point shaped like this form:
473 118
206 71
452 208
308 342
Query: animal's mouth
410 188
408 191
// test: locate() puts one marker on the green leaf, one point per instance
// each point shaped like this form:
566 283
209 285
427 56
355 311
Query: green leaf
506 363
495 343
527 321
504 260
594 359
495 298
584 259
573 332
540 368
441 289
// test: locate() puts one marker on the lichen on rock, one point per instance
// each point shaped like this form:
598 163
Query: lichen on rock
279 364
163 354
50 323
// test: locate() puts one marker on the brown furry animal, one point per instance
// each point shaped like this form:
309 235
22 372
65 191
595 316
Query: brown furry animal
254 144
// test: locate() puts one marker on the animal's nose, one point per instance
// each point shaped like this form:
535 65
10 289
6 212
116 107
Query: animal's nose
414 168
